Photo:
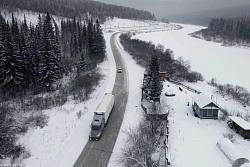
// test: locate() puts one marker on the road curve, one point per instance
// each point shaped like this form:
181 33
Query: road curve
98 153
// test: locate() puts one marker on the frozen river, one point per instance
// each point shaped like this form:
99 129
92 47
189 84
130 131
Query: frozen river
227 64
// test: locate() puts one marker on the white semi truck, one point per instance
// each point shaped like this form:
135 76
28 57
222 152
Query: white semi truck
101 116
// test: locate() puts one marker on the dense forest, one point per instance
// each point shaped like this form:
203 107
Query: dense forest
33 60
34 57
77 8
29 55
228 31
142 52
236 27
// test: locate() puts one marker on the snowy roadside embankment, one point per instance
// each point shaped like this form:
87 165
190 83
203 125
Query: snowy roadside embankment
62 140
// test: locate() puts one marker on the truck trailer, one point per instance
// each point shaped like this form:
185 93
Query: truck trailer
101 116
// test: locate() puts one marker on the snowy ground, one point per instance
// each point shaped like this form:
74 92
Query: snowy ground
227 64
123 25
192 141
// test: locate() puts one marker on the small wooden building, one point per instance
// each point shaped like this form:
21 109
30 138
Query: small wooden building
241 126
204 107
162 75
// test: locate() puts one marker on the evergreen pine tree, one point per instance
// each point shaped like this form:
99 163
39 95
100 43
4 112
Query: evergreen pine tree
38 49
152 87
50 69
18 56
83 63
27 67
82 66
99 42
34 58
8 62
84 35
90 39
3 52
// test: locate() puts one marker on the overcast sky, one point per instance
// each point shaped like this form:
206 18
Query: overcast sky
165 8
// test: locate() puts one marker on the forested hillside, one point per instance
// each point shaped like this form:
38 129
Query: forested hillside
234 31
33 60
236 27
77 8
203 17
34 57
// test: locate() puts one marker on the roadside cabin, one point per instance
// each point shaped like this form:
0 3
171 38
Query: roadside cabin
163 76
241 126
204 107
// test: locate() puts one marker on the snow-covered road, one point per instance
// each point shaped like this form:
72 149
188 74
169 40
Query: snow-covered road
97 153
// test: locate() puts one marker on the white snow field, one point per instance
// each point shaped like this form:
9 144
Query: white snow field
137 26
192 141
230 65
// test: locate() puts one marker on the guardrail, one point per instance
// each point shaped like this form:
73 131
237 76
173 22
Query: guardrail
185 86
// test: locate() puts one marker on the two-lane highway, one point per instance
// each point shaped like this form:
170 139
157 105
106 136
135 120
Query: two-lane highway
98 153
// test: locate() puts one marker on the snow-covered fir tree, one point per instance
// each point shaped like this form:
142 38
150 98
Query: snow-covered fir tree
152 87
49 69
8 61
99 42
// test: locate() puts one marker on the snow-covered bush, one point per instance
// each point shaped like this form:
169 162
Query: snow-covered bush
229 136
79 114
37 119
8 129
83 85
144 143
239 93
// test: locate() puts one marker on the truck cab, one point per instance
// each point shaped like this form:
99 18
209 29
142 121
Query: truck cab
97 127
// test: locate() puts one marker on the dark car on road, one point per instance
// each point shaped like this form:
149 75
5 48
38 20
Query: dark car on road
119 70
